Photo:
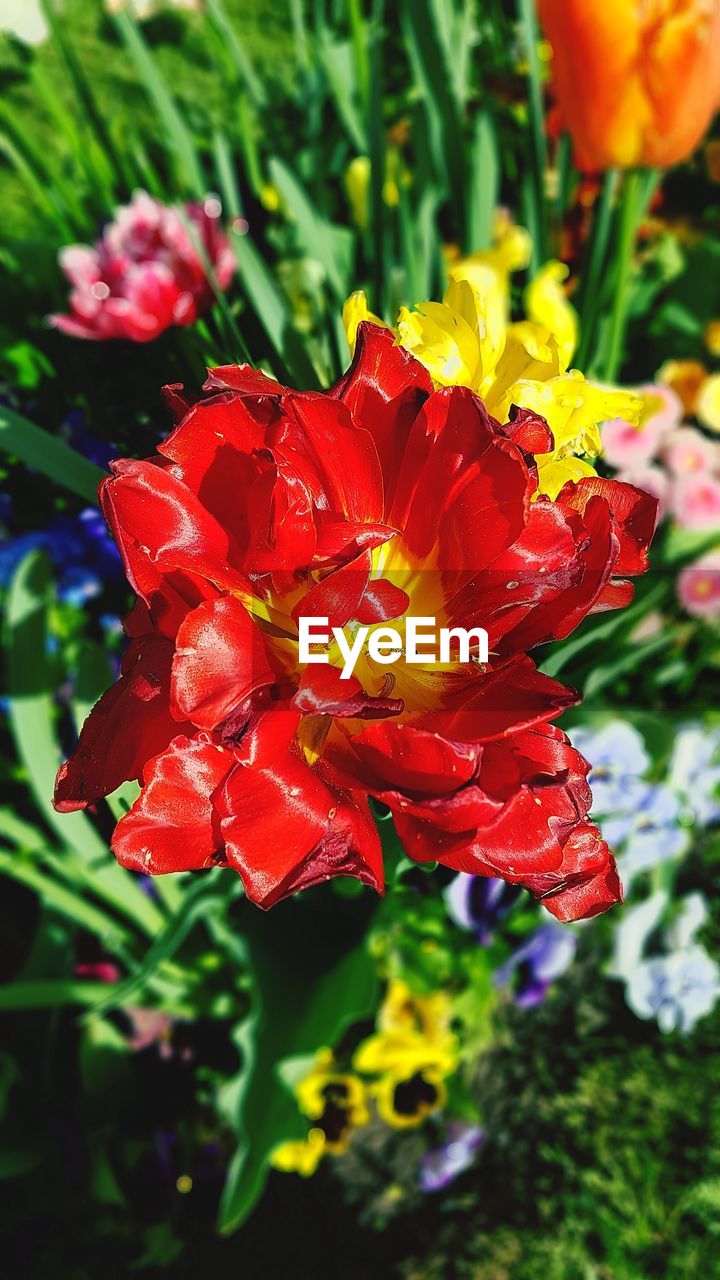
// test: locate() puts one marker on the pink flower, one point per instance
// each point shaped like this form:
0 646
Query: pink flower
696 501
653 480
687 450
148 271
625 446
698 587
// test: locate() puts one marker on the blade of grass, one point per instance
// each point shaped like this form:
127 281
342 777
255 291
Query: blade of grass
529 30
218 16
189 171
49 455
273 313
31 717
484 184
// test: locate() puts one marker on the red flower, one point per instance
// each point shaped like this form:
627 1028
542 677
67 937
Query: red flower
148 271
379 500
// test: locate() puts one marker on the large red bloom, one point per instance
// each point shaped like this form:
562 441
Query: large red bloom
379 500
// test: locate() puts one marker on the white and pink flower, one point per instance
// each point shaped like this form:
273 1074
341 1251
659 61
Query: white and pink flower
150 269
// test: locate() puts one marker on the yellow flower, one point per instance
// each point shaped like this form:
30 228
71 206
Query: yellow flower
708 405
302 1156
547 306
412 1051
334 1099
698 390
470 340
685 378
336 1102
405 1101
354 312
357 185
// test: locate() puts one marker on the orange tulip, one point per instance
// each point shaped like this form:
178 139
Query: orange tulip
637 81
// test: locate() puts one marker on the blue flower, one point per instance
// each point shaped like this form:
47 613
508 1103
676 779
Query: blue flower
650 834
618 761
695 772
479 903
677 989
546 955
440 1166
80 548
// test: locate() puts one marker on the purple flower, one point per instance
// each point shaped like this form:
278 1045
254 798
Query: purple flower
441 1165
479 903
546 955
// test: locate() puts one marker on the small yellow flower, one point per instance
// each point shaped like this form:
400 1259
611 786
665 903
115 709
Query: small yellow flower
547 306
685 378
357 185
712 337
708 405
354 312
336 1102
270 197
470 340
404 1101
334 1099
302 1156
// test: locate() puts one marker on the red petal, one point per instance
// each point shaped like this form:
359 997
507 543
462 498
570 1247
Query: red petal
323 692
220 658
634 511
338 595
285 829
529 430
381 601
172 825
130 723
343 540
161 526
243 378
508 699
384 388
342 454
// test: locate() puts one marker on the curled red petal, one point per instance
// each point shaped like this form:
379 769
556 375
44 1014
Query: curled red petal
634 512
529 430
130 723
161 526
284 829
220 659
172 825
322 692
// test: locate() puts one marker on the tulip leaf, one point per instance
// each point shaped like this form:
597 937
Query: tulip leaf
331 245
32 722
312 976
45 453
273 313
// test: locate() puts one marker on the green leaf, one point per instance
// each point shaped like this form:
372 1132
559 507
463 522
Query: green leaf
330 245
67 902
48 454
484 184
32 724
52 993
253 84
273 313
312 976
189 171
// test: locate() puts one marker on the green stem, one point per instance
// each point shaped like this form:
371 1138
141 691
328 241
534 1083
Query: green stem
528 23
630 213
594 262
